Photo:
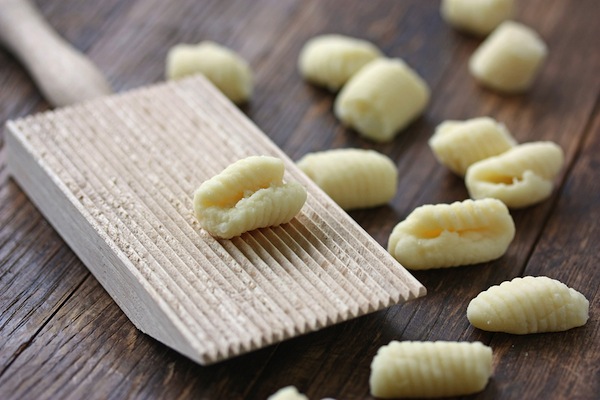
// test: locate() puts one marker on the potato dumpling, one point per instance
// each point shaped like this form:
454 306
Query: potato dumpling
247 195
459 144
353 178
519 177
330 60
382 99
479 17
450 235
229 72
509 59
529 305
430 369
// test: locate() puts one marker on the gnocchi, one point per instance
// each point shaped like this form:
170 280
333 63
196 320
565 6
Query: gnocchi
458 144
430 369
287 393
247 195
353 178
229 72
382 99
528 305
509 59
479 17
520 177
330 60
449 235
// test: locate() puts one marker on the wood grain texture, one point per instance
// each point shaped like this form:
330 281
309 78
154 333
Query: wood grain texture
66 338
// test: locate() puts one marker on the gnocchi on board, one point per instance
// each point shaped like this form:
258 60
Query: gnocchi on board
247 195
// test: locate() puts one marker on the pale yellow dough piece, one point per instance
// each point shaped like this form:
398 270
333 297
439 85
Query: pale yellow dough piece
459 144
353 178
247 195
529 305
520 177
382 99
330 60
287 393
229 72
509 59
430 369
450 235
478 17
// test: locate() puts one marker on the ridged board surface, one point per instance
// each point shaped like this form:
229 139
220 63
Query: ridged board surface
115 177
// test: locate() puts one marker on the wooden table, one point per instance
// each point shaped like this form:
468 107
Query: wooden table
61 335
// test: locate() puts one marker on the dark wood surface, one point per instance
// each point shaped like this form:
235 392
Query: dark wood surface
61 336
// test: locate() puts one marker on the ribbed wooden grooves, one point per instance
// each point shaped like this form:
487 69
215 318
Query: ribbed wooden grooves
115 177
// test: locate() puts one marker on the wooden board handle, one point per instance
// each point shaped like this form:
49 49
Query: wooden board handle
63 74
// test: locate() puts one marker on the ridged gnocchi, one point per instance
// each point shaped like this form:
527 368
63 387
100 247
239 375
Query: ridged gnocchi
229 72
330 60
353 178
528 305
449 235
459 144
509 59
287 393
520 177
382 99
476 17
430 369
247 195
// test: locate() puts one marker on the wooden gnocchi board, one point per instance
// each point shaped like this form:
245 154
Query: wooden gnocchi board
115 177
